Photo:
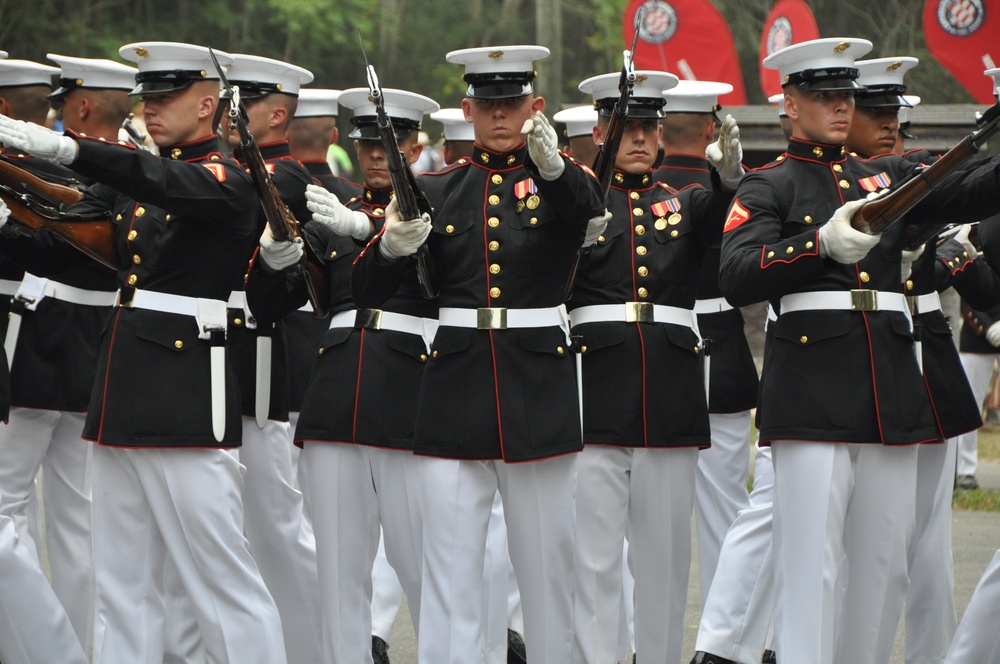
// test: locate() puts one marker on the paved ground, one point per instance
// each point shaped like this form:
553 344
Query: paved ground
975 538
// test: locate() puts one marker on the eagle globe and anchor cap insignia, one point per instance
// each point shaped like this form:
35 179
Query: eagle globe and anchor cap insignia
659 21
780 35
960 17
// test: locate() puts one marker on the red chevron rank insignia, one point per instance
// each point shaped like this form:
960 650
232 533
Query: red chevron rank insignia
737 215
218 170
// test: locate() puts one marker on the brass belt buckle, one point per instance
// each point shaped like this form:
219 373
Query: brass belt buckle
125 297
911 303
639 312
370 319
864 299
491 318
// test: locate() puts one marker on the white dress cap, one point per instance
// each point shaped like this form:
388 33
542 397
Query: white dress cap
317 103
258 77
456 128
647 94
904 115
16 73
579 120
170 66
498 72
882 79
779 101
820 64
405 110
695 96
101 74
995 75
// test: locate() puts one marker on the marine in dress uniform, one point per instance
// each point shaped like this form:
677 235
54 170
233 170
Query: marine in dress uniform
281 541
164 411
976 637
502 599
632 314
721 479
930 603
842 366
737 615
310 135
34 626
357 452
498 405
54 334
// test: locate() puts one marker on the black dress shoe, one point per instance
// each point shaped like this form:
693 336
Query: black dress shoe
708 658
380 650
516 653
769 657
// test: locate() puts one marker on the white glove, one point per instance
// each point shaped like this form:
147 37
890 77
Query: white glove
726 154
543 146
993 334
39 141
910 256
837 240
4 213
963 236
402 237
329 211
595 227
279 255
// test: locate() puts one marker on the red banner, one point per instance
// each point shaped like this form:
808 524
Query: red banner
688 38
964 36
790 22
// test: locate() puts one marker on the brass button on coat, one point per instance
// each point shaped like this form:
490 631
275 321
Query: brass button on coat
494 269
494 199
865 277
643 292
641 251
132 279
497 178
494 292
493 222
133 234
643 271
178 344
136 259
640 230
494 245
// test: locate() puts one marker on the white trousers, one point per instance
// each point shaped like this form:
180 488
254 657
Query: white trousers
651 493
843 514
387 595
281 541
33 624
498 583
739 609
931 619
720 489
979 371
354 489
151 504
539 511
49 439
977 638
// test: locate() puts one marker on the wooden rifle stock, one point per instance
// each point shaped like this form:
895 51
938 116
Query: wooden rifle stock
36 203
410 198
283 224
877 215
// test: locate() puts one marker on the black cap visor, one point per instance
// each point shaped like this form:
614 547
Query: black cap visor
835 79
152 82
499 85
366 128
638 107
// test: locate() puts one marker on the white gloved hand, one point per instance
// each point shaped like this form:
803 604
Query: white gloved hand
993 335
910 256
726 154
329 211
4 213
963 236
279 255
38 141
595 227
402 237
839 241
543 146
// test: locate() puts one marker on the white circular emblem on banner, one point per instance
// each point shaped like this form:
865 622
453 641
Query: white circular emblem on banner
659 21
960 17
780 35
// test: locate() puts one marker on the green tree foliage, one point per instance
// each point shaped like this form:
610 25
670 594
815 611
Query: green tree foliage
407 39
